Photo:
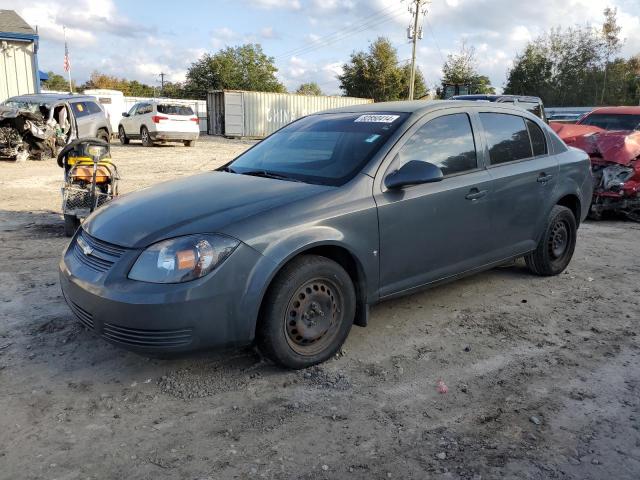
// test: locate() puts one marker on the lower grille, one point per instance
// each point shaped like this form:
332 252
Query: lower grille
85 317
147 338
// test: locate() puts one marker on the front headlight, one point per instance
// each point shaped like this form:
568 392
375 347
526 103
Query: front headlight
182 259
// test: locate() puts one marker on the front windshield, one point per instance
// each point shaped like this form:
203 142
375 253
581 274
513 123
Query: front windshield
327 149
613 121
33 107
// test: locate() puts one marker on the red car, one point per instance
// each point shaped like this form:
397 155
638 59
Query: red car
611 137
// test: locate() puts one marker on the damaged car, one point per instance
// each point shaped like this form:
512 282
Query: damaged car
37 126
611 137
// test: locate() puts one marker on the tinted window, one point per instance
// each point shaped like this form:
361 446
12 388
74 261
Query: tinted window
326 149
538 142
93 107
507 137
446 142
174 109
612 121
80 109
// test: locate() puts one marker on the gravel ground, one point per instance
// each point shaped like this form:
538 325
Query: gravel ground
543 374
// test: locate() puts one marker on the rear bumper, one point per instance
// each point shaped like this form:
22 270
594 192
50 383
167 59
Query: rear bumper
173 136
161 318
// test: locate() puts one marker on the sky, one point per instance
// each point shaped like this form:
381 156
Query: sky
309 39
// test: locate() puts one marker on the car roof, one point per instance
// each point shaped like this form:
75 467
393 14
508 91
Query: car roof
498 98
418 107
618 110
47 98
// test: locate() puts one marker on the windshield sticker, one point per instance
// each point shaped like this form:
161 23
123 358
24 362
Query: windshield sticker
372 138
377 118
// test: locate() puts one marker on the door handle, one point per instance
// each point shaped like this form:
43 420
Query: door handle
544 178
475 194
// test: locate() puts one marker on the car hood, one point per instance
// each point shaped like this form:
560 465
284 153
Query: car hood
611 146
204 203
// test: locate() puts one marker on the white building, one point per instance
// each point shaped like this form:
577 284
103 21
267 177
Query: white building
18 56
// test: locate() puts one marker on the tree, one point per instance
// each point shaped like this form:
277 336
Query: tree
238 68
132 88
310 88
460 69
376 74
612 43
57 82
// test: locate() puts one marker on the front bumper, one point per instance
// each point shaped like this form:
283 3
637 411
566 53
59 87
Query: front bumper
158 318
173 136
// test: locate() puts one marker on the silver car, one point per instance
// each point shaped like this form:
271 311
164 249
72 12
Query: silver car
67 110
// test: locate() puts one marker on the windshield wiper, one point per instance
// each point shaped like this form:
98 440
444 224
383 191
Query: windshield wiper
266 174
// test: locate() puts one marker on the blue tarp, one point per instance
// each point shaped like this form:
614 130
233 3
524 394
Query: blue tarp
43 76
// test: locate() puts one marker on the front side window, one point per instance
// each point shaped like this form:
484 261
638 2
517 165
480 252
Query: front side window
507 137
327 149
133 109
446 141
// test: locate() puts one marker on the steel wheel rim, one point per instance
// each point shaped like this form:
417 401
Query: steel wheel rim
313 316
145 135
559 239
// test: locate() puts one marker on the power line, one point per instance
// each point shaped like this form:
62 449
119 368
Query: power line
374 20
434 39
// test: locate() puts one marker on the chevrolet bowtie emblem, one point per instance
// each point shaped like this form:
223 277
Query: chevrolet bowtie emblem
84 246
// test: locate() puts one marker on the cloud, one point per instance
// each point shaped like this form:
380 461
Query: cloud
274 4
268 33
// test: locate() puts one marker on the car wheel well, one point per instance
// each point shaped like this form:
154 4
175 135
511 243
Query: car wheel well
572 202
346 260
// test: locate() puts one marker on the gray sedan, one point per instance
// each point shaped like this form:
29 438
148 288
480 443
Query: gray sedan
290 243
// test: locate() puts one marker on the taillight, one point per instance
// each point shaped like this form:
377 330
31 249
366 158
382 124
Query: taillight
157 118
195 119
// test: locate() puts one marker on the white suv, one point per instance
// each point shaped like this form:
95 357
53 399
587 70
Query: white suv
157 121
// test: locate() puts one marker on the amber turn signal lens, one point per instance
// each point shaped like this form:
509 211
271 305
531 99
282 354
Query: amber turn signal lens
186 259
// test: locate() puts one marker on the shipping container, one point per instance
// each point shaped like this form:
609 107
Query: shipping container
236 113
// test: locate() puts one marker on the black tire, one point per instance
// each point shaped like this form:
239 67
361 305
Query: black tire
124 140
189 143
557 244
103 135
145 137
71 224
293 330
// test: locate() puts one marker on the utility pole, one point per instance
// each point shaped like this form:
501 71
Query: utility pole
162 83
417 7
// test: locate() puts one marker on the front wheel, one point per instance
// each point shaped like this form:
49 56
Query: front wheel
557 244
71 224
308 312
189 143
124 140
145 137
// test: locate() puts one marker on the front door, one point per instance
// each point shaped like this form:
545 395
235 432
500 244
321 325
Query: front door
433 231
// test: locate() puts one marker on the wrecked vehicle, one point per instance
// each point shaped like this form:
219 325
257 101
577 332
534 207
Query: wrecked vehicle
46 122
25 134
611 137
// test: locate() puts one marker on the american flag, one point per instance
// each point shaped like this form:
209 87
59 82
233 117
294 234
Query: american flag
67 62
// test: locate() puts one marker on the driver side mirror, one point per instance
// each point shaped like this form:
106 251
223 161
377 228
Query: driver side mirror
414 172
125 114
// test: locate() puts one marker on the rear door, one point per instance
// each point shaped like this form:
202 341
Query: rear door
523 178
83 119
433 231
176 119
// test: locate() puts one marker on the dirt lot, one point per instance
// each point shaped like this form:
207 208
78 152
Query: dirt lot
543 373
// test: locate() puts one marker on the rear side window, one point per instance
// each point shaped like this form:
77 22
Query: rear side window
93 107
445 141
143 108
538 142
80 109
507 137
174 109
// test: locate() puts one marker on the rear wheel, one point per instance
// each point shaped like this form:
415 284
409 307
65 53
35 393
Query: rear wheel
145 137
103 135
71 224
189 143
308 312
124 140
557 244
